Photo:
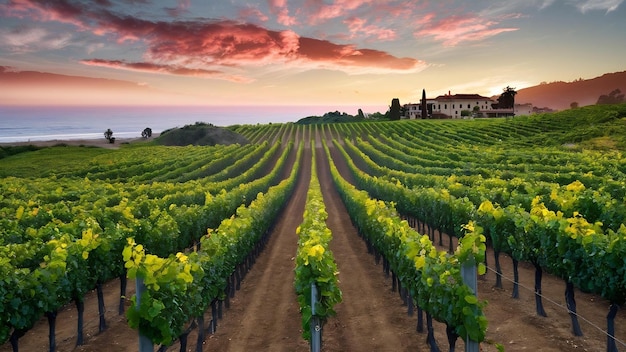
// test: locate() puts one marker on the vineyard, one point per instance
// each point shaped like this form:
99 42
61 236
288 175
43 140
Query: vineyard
220 248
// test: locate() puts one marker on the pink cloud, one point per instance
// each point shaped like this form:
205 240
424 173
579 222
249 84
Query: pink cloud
607 5
230 44
61 11
251 14
318 11
280 10
223 43
183 6
33 39
358 27
217 48
163 69
456 29
401 10
325 54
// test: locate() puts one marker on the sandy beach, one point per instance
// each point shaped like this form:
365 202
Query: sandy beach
96 142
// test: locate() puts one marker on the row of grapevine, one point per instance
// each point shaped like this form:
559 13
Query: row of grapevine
585 250
432 277
529 217
579 252
435 207
133 162
63 237
152 164
594 205
181 286
315 264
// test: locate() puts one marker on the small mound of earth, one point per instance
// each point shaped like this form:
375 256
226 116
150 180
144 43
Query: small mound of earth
200 134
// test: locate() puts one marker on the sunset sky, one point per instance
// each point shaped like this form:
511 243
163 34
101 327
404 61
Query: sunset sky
309 52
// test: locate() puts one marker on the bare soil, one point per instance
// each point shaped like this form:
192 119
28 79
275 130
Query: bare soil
264 316
99 142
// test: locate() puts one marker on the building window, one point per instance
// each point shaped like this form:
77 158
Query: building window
445 106
468 106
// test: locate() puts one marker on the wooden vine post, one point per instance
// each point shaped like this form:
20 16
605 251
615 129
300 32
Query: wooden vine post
316 327
469 274
145 344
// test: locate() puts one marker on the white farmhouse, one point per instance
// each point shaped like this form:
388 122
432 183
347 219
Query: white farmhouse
450 106
523 109
453 105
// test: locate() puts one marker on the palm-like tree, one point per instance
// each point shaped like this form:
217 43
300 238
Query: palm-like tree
147 132
108 134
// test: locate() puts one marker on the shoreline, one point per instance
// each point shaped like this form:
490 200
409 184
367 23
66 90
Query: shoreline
86 142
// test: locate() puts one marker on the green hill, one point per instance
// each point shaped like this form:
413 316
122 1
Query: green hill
601 127
200 134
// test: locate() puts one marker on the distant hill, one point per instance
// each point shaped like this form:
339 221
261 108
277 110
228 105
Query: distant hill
328 117
200 134
559 95
336 116
30 78
19 88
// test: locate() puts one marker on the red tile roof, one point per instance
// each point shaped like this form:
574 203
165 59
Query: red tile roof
461 97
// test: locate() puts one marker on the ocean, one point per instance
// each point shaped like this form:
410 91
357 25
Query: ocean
23 124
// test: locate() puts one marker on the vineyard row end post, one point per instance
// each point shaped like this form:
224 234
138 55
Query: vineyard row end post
316 328
145 344
469 274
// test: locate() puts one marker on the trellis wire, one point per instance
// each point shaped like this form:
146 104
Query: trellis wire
560 306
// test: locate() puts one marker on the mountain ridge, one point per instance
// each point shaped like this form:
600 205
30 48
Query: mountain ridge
560 95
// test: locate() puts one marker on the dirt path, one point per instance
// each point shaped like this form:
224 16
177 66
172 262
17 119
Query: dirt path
264 316
371 317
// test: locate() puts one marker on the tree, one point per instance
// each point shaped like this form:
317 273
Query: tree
615 97
108 134
573 105
395 110
360 114
507 98
377 115
423 105
476 112
147 132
